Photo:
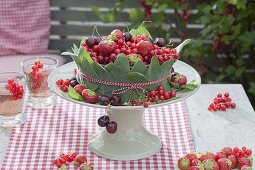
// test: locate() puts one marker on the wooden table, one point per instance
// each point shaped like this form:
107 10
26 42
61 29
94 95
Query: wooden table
211 130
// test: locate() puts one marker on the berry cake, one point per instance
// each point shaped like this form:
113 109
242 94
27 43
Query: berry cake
127 68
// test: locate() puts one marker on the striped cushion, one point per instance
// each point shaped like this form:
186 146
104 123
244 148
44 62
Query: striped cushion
24 26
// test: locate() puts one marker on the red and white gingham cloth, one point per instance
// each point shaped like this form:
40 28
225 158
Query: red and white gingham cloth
24 26
68 126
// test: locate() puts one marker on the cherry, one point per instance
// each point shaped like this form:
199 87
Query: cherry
97 40
115 100
127 36
104 100
90 41
111 127
160 42
73 83
103 121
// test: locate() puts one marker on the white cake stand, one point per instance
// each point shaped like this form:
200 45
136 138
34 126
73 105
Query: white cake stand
131 141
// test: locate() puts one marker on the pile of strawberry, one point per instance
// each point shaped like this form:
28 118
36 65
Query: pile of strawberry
226 159
105 50
80 161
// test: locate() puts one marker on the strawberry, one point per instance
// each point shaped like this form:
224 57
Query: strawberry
184 163
179 79
246 167
207 155
106 47
210 164
80 159
116 34
144 48
86 166
224 164
89 96
233 159
219 155
133 58
191 156
244 161
196 162
194 168
79 88
227 151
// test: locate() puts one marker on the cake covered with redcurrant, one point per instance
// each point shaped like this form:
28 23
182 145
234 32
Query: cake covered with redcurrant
125 68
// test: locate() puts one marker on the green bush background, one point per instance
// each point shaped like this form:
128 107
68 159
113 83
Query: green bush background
222 52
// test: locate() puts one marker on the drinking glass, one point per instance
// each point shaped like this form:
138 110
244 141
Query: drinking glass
37 71
12 92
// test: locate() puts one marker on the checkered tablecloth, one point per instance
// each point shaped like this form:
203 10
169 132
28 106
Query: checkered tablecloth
68 126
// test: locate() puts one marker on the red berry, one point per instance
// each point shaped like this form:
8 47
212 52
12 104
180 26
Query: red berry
226 94
219 95
66 82
63 88
59 82
10 81
167 95
80 159
173 94
146 104
248 152
233 105
160 87
152 93
161 92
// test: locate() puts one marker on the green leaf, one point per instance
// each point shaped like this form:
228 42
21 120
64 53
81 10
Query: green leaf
68 53
83 40
135 14
153 72
87 68
74 95
240 71
189 87
75 50
108 67
136 77
122 62
142 30
139 67
252 90
83 54
103 75
118 74
63 168
163 7
133 32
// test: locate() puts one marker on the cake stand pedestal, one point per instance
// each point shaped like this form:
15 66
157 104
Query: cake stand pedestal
131 140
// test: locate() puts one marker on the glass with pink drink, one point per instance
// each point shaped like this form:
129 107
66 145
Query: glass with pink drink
12 92
37 71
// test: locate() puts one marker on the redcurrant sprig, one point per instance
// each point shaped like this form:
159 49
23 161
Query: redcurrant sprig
35 75
15 89
221 102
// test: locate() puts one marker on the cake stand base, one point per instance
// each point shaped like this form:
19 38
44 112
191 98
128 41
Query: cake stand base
131 141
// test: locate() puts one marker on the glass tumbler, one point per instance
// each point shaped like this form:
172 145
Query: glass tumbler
12 94
37 71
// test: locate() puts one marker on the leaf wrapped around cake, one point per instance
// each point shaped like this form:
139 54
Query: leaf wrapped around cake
126 68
